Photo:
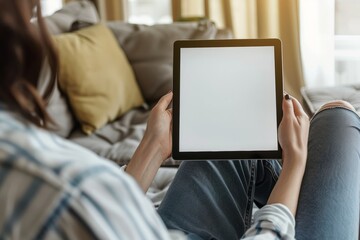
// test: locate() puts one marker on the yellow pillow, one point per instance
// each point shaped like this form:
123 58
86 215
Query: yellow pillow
96 76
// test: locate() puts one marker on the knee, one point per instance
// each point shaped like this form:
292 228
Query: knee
337 116
338 104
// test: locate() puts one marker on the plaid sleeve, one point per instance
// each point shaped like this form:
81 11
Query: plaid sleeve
108 206
51 188
272 222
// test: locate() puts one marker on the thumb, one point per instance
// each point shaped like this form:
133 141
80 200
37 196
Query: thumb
288 107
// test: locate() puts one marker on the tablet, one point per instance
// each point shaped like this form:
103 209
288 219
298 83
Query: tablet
227 99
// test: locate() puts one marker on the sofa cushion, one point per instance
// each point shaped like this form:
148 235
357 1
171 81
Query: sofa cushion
150 51
82 11
314 98
96 76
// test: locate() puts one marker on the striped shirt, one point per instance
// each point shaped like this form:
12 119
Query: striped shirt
51 188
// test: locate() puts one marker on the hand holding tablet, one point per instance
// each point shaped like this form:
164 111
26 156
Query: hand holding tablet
227 99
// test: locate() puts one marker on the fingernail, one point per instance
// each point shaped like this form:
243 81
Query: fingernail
287 97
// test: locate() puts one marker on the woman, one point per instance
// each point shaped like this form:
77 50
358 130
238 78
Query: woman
53 189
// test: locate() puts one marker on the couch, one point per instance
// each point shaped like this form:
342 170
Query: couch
314 98
149 51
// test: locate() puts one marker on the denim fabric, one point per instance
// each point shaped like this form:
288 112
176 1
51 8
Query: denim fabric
330 194
214 199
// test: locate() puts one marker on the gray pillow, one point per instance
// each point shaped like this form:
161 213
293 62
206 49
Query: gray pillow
75 11
150 51
57 107
73 14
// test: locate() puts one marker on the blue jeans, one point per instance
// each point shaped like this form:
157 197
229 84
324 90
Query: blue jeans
214 199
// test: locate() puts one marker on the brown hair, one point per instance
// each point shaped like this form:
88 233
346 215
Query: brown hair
23 50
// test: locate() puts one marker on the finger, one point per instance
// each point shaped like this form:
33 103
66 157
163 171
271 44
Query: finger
298 109
288 108
165 101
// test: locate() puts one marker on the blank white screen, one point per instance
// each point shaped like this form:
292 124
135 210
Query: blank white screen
227 99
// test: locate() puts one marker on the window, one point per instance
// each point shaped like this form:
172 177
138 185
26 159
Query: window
149 11
48 7
330 41
347 41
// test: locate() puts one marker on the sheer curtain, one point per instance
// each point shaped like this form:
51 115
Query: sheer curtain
317 27
259 19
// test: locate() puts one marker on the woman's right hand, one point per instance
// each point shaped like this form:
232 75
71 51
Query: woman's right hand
293 132
293 138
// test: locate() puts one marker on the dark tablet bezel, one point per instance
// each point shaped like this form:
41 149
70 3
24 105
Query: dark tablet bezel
224 155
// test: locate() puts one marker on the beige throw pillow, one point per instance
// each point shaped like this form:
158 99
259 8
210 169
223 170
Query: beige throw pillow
96 76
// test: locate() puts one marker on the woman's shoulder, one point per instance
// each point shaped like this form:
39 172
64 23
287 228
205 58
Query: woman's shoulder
28 152
38 152
18 132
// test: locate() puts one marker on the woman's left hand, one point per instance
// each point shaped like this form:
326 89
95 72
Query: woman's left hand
156 145
159 126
